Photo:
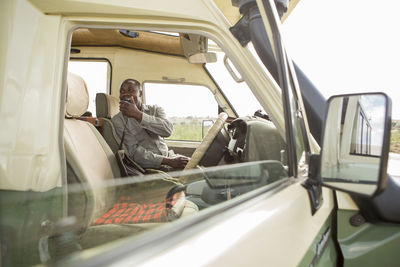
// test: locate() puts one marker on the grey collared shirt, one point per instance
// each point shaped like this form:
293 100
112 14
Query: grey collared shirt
144 140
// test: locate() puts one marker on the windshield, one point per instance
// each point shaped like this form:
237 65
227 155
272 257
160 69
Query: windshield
238 93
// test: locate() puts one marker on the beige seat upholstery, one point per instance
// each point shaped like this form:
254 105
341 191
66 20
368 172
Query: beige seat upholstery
90 160
92 167
106 107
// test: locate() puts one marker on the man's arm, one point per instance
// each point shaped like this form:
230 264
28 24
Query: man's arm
158 124
148 159
142 156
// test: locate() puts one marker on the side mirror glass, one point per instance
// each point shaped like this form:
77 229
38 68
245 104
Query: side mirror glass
356 143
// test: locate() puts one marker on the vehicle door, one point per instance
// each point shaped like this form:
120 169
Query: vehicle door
286 223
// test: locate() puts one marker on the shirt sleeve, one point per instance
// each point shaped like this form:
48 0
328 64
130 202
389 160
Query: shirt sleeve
158 124
118 124
146 158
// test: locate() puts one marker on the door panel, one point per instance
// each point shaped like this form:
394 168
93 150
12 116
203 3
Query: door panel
274 229
323 250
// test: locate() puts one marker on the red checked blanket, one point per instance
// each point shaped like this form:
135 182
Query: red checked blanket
127 212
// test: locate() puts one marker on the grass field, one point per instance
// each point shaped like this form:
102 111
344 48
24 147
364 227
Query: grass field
188 129
191 132
395 141
395 137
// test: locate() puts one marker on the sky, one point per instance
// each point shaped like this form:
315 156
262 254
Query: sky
373 106
347 46
161 94
342 46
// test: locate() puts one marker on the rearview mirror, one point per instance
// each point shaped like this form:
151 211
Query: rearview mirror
356 143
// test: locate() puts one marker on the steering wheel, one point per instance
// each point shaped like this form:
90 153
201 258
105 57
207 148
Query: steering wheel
206 142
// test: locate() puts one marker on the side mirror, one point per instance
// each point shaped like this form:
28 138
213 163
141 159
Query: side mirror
356 143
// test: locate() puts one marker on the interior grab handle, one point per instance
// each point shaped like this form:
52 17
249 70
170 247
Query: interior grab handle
231 71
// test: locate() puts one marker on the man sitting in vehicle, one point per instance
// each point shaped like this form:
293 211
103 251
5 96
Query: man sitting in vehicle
145 127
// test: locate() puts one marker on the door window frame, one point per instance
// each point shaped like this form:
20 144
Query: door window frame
189 224
289 86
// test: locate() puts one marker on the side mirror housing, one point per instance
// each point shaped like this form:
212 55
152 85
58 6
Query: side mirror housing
355 144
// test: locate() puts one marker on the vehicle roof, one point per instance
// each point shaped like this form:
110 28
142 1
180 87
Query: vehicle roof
115 7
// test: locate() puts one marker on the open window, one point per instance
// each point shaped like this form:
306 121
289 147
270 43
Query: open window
191 108
234 88
97 75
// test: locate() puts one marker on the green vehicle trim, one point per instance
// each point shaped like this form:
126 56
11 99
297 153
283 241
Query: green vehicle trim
26 217
322 251
363 245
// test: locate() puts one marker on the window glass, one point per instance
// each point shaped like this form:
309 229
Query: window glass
238 94
359 133
95 74
363 134
298 123
367 125
97 209
189 107
130 207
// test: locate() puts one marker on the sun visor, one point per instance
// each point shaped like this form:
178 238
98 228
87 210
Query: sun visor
195 49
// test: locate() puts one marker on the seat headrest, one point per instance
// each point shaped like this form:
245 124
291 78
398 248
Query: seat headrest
77 96
106 106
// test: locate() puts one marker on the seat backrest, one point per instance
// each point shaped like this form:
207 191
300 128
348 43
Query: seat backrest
106 107
90 161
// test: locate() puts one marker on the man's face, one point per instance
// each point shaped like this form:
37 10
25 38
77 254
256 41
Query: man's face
131 92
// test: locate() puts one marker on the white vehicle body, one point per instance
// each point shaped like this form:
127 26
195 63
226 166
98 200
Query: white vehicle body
274 225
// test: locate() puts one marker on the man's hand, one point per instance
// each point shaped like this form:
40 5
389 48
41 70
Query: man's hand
129 109
178 162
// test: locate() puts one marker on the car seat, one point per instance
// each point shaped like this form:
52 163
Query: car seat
106 107
91 171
